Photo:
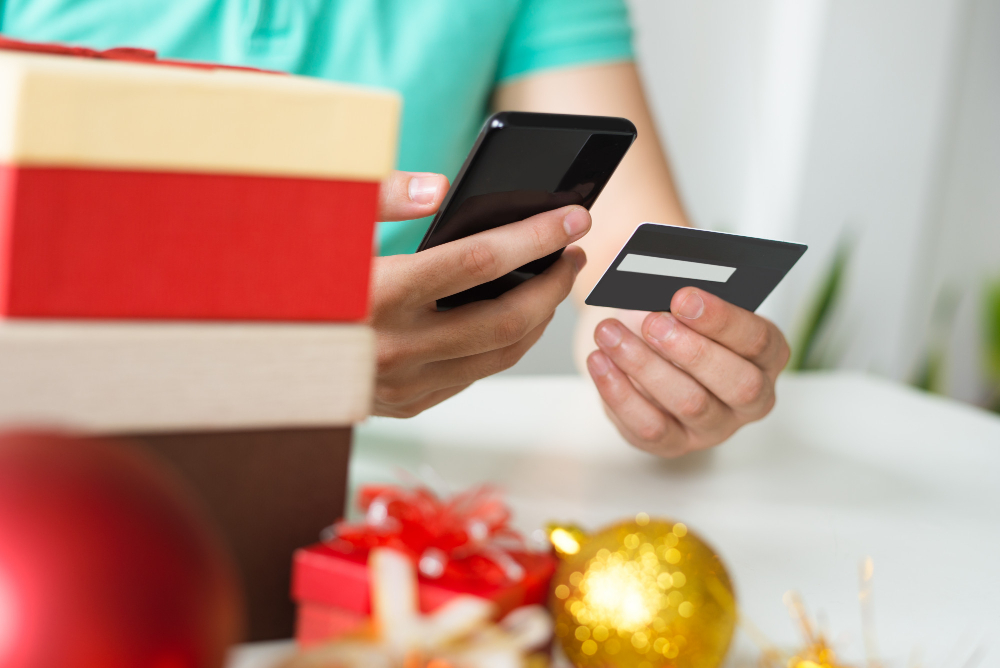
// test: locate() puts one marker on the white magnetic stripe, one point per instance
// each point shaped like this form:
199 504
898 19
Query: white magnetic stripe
661 266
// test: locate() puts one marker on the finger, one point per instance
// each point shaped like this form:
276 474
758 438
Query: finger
493 324
746 334
642 424
688 400
466 370
410 195
740 384
452 267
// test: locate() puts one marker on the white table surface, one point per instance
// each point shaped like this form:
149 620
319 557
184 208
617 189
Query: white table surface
846 466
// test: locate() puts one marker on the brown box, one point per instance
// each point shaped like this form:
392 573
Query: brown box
270 492
257 417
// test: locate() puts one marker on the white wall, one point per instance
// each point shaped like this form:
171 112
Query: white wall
700 64
800 119
964 249
884 95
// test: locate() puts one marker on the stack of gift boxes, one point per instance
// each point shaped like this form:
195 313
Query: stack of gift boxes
184 260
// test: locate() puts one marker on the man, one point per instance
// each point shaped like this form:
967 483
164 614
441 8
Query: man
671 382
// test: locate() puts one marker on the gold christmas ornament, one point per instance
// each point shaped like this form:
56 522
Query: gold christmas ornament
641 594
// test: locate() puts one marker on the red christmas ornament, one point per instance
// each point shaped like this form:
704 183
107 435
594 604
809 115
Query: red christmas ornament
106 561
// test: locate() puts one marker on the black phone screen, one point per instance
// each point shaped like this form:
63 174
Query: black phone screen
521 165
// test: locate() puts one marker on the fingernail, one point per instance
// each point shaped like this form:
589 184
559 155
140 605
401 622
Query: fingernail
576 222
692 307
609 335
423 189
662 326
599 364
579 259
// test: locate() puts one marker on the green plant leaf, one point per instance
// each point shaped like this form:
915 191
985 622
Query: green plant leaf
991 311
930 374
991 340
805 352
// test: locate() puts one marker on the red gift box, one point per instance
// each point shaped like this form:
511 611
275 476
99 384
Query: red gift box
460 546
209 246
136 188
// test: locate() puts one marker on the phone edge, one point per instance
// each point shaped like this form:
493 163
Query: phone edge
496 121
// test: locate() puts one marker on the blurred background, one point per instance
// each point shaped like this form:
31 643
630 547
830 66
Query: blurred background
869 130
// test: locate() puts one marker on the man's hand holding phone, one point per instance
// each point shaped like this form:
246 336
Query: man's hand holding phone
424 355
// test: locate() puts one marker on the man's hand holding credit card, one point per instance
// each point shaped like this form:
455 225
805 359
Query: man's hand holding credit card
701 363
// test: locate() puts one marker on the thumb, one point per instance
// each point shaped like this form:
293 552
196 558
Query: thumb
411 195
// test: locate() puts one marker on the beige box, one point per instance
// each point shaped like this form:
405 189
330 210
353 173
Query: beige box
83 112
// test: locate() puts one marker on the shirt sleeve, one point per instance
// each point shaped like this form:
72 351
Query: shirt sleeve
559 33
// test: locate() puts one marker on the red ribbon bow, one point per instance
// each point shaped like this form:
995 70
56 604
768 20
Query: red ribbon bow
464 537
121 53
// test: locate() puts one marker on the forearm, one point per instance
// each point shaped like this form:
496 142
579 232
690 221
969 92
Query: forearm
642 188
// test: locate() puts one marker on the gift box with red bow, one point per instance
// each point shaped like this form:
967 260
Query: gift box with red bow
460 545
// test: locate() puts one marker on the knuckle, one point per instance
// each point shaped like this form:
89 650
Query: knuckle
508 357
725 320
719 316
768 405
538 239
429 400
386 301
401 412
495 362
479 261
750 389
407 412
634 356
390 360
511 326
393 394
693 351
616 393
695 405
651 431
760 342
784 354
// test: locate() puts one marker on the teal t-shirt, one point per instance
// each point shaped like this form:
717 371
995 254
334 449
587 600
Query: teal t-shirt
443 56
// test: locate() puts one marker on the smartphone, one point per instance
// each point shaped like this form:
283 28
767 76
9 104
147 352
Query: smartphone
523 164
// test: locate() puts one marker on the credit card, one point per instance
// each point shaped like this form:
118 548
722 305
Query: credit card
658 260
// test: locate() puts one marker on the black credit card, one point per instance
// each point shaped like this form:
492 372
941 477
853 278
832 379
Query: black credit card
659 260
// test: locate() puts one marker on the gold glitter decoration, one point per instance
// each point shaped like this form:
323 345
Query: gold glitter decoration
817 651
642 594
566 539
